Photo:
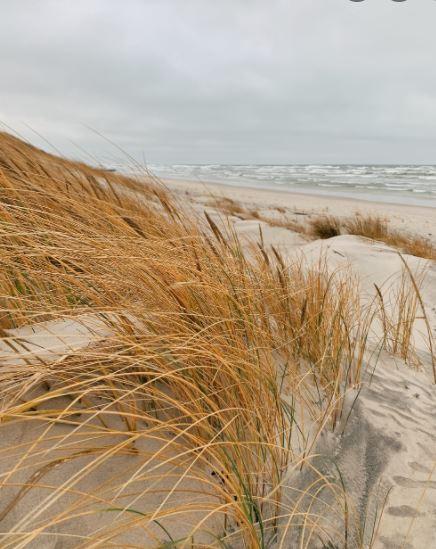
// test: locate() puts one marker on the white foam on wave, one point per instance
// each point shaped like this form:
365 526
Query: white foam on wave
373 180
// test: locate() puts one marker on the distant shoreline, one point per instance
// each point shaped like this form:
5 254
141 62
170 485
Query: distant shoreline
307 192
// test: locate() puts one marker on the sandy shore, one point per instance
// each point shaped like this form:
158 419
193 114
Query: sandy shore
98 428
416 219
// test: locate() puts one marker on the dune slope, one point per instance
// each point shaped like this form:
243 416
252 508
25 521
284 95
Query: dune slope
175 379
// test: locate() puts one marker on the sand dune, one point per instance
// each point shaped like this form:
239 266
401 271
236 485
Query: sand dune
219 380
385 446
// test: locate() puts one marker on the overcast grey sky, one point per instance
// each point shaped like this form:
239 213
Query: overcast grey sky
236 81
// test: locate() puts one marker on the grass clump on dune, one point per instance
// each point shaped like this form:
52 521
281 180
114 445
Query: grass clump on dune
213 378
373 227
412 244
369 226
326 226
231 207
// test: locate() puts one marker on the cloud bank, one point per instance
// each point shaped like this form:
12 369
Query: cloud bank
234 81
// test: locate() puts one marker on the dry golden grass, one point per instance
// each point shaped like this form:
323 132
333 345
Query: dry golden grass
412 244
369 226
329 226
398 317
324 226
285 222
231 207
398 311
216 379
373 227
378 229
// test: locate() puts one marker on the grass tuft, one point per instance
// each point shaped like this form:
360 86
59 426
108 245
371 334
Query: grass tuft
373 227
369 226
325 226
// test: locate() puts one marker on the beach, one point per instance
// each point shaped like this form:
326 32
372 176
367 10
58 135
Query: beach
218 275
411 218
201 365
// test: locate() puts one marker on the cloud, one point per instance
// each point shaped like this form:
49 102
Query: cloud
230 81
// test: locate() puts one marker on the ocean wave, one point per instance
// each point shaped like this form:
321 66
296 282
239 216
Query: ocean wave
369 179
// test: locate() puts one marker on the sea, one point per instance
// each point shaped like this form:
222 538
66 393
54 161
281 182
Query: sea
402 184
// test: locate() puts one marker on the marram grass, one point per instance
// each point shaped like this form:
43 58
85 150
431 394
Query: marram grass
217 373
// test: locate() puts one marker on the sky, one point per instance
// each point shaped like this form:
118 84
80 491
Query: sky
228 81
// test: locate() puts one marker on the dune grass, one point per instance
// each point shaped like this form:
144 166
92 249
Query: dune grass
326 226
378 229
412 244
231 207
180 427
369 226
398 312
374 227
